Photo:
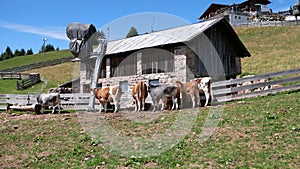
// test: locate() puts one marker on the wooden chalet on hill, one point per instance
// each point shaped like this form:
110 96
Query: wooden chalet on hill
236 13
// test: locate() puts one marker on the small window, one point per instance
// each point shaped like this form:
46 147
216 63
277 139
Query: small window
154 82
99 85
124 86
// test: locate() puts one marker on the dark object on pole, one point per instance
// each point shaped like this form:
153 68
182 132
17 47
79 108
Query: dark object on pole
79 35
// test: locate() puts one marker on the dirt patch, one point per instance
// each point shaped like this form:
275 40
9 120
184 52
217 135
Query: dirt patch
235 136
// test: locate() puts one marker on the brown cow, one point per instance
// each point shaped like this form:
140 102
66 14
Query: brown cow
139 94
191 89
108 94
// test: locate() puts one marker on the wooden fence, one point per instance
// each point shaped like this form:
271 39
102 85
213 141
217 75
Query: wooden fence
12 75
268 23
30 81
38 65
260 85
223 91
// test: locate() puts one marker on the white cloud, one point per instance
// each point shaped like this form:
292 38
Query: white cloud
53 32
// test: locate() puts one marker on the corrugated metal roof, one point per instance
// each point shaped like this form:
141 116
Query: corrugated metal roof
169 36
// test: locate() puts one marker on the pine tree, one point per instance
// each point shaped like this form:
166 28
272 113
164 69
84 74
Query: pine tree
22 52
29 52
8 53
132 32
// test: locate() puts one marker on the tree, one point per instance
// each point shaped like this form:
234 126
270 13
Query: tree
132 32
22 52
47 48
29 52
8 53
2 56
17 53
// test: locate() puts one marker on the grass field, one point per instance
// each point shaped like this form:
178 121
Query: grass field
25 60
273 49
254 133
52 77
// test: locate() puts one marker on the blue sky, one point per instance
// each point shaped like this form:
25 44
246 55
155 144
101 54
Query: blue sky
23 24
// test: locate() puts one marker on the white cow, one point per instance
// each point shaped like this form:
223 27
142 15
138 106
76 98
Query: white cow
49 99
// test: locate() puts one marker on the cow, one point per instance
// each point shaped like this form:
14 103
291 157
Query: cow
204 85
108 94
139 94
191 89
49 99
252 83
161 92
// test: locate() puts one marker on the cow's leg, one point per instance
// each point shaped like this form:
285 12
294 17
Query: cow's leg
175 103
143 104
42 109
53 107
105 107
193 100
58 108
101 106
206 98
198 98
116 103
154 105
162 105
135 103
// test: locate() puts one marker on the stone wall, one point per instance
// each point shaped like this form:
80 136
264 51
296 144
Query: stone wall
181 72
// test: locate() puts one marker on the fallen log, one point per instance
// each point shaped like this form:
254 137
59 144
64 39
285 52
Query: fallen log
34 107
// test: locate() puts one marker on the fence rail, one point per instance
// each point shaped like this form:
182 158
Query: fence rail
267 23
259 85
12 75
30 81
223 91
38 65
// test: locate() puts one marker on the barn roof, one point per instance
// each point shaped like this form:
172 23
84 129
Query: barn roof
169 36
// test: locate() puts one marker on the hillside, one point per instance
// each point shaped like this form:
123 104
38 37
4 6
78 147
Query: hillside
273 49
28 59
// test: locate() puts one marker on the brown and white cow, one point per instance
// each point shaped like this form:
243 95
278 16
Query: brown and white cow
108 94
191 89
204 85
139 94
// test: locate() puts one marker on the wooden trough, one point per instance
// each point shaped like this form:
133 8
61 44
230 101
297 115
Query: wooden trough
34 107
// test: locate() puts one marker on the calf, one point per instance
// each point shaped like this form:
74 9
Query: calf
49 99
191 89
108 94
204 85
139 94
161 92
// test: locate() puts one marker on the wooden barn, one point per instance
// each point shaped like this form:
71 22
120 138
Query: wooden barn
210 48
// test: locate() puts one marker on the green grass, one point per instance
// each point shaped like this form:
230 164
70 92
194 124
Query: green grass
52 76
273 49
253 133
9 87
25 60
